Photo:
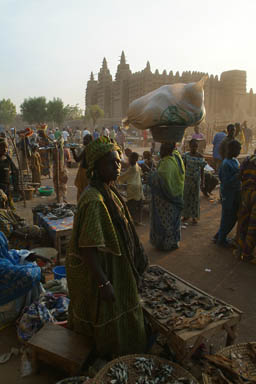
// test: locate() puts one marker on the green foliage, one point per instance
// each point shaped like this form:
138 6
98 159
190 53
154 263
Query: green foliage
94 113
7 111
73 112
56 111
34 110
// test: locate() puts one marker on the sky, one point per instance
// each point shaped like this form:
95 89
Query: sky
50 47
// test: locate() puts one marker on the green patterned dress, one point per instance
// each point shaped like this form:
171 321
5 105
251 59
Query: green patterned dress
113 328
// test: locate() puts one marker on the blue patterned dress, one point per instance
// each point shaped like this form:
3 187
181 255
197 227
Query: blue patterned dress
19 281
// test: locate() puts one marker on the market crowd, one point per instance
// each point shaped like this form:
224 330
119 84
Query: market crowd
104 245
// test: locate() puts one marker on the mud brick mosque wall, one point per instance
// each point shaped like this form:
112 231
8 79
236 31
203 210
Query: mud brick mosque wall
226 98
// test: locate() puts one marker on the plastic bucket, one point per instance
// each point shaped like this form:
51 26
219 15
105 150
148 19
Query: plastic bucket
59 272
29 193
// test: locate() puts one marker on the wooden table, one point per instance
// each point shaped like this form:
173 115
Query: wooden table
59 230
185 342
58 346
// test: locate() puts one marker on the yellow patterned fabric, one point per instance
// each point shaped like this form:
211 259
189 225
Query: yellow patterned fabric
81 181
97 149
113 328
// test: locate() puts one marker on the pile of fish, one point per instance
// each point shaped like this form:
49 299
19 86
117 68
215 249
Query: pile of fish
177 307
56 211
233 369
145 371
118 374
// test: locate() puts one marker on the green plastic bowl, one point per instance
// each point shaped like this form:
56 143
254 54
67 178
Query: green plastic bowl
46 191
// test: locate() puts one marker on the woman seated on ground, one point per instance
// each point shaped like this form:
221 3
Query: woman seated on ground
19 234
194 179
19 281
134 189
246 226
105 261
210 182
167 185
81 180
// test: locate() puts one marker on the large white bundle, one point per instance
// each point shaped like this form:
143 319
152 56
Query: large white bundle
169 105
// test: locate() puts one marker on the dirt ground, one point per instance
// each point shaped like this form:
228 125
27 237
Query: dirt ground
227 278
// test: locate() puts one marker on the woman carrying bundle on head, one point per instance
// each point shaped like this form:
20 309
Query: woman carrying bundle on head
167 185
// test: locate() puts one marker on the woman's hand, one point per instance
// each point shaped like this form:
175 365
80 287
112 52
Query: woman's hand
107 293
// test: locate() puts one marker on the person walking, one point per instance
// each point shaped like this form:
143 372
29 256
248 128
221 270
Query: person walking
135 195
86 132
35 164
167 184
95 134
230 189
60 177
223 148
194 179
120 138
246 225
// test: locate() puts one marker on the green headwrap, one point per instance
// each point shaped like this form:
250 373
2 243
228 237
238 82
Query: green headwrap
97 149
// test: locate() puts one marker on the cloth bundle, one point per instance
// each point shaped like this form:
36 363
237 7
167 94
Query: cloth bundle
47 309
169 105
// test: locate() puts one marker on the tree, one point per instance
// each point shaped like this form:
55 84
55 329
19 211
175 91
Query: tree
73 112
7 111
34 110
56 111
94 113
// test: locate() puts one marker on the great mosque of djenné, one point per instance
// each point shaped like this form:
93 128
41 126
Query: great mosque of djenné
226 98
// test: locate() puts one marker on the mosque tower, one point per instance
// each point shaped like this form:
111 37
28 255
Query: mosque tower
91 97
104 89
121 88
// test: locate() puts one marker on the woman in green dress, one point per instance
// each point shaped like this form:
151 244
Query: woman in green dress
167 185
194 164
105 261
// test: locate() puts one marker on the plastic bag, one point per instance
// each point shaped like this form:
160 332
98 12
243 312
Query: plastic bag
170 105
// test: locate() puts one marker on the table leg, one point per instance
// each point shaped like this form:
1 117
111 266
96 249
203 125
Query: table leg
57 245
231 334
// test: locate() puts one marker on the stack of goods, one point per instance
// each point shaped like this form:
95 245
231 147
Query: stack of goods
235 364
143 369
48 309
168 110
56 211
171 303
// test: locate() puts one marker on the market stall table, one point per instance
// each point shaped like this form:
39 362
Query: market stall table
59 230
185 341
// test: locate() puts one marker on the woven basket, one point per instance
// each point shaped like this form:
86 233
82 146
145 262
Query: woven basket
163 134
75 380
243 351
133 374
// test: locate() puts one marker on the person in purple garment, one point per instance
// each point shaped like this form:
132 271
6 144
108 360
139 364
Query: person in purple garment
218 138
197 135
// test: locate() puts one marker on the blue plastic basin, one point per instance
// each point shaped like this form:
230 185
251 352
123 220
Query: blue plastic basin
59 272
